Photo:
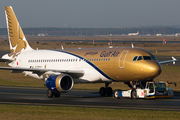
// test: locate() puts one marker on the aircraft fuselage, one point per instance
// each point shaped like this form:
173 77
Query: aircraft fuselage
98 64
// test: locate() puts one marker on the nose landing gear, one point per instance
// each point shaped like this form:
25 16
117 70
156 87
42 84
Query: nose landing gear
106 90
51 93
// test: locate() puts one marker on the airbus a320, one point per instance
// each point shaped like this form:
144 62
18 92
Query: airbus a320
61 69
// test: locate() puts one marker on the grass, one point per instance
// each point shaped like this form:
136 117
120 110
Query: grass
27 112
36 42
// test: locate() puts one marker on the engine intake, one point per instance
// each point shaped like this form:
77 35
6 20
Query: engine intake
60 83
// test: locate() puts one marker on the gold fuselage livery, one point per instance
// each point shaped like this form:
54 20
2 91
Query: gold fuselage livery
117 64
61 69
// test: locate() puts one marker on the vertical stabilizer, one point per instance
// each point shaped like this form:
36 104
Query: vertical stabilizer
17 40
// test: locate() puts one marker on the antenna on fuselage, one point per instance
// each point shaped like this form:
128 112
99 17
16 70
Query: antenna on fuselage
132 45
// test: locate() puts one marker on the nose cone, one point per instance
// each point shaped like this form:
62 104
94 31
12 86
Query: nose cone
154 69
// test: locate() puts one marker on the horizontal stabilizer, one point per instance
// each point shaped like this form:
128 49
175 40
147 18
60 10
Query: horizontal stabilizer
5 60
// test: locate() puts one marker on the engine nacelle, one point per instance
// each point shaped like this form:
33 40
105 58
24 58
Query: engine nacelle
60 83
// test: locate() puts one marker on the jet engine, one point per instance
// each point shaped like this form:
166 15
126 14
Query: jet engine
60 83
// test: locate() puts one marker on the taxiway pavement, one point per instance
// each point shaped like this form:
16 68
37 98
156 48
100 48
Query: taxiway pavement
82 98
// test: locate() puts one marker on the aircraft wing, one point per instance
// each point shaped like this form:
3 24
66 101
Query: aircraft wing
173 60
77 73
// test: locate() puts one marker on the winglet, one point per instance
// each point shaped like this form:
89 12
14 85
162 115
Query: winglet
174 59
17 40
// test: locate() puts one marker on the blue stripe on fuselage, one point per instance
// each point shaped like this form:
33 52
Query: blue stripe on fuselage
94 66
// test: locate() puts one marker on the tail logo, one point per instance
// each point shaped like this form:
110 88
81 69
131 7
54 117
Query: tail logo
16 35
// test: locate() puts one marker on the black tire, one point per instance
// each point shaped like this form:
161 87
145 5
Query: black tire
116 94
102 91
49 93
57 94
133 94
109 91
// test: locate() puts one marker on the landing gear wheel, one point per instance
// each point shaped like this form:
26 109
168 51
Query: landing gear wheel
116 94
49 93
102 91
57 94
133 94
109 91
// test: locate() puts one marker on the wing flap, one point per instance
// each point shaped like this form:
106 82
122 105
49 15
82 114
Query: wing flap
77 73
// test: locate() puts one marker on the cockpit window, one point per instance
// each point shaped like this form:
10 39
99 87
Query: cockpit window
140 58
146 57
135 58
152 56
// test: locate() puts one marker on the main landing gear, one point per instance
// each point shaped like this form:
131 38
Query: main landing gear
106 90
51 93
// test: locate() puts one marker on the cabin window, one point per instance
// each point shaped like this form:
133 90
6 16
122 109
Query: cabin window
140 58
146 57
135 58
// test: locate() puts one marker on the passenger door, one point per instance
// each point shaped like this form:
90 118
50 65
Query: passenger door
122 59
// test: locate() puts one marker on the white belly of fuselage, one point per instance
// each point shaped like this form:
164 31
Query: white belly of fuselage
57 60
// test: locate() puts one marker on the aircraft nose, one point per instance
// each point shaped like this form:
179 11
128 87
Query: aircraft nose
155 69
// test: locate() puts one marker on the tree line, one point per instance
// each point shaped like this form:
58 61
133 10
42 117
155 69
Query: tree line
52 31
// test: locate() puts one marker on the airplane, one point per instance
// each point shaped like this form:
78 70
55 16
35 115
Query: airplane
133 34
164 41
61 69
